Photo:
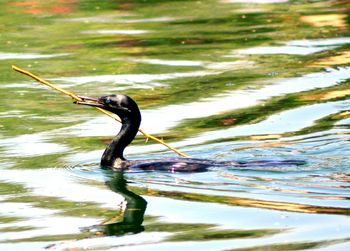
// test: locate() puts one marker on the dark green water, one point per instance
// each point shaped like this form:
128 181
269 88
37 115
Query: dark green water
222 80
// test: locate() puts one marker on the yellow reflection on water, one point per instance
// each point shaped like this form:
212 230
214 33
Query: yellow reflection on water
335 20
327 95
266 136
248 202
341 58
344 114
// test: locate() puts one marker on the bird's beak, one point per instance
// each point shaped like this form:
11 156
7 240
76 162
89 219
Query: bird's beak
90 102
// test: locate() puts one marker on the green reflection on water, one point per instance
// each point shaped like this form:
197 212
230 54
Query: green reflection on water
259 113
68 208
7 188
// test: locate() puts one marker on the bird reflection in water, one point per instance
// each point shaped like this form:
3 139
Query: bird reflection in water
133 213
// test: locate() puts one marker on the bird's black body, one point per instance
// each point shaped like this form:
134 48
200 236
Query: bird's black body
129 113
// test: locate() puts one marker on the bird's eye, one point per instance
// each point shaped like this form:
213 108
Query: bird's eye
107 100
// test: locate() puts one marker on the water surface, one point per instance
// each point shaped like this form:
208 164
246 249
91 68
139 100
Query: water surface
221 80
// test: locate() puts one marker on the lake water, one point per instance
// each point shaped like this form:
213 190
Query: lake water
221 80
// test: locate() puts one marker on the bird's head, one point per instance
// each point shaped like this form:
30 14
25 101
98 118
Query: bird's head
119 104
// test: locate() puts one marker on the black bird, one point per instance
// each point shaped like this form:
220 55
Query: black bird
129 113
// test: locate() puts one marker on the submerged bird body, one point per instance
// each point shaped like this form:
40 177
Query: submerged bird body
175 164
129 113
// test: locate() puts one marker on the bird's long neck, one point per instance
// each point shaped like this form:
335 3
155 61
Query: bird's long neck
113 155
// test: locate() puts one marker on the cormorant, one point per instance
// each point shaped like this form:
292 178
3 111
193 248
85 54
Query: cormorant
129 113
